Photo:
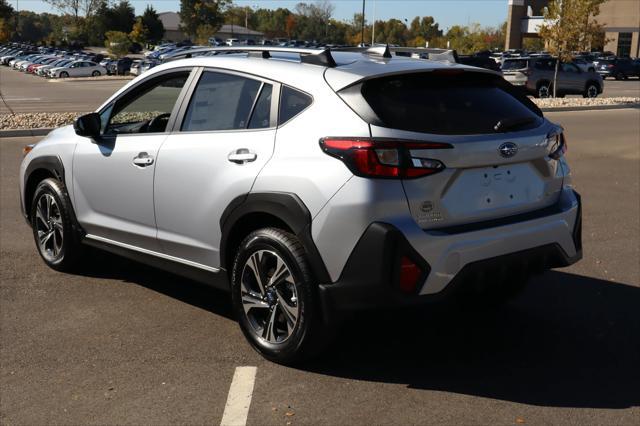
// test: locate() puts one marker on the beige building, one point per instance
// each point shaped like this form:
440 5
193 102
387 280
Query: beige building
172 32
621 20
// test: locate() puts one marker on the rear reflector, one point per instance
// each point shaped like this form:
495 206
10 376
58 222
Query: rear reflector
410 273
384 158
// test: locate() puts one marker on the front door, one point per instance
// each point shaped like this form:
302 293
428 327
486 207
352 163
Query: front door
113 176
226 137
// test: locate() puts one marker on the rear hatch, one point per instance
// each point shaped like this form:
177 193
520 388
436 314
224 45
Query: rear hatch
515 70
497 163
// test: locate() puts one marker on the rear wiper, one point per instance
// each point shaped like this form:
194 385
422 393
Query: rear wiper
512 123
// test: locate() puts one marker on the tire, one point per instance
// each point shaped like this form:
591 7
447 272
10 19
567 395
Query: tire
95 74
52 213
283 324
64 74
620 76
591 91
543 90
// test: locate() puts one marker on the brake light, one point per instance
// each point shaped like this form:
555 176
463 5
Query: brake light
384 158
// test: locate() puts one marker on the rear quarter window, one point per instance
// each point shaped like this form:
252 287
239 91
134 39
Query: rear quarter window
292 103
467 103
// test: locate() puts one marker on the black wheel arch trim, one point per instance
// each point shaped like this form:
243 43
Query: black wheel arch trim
51 163
54 165
288 208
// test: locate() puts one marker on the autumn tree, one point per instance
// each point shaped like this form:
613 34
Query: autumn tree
139 33
153 24
201 13
76 8
570 26
117 42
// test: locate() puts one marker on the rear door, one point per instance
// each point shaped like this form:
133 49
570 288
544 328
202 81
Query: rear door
498 164
223 137
572 79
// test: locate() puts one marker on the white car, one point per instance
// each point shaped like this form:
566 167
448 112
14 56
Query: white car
311 189
43 70
78 69
232 41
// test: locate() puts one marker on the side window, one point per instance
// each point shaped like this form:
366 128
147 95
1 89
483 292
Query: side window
292 103
148 109
569 68
221 102
261 116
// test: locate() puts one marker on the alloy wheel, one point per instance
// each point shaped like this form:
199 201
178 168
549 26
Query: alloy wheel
592 91
49 228
269 296
543 92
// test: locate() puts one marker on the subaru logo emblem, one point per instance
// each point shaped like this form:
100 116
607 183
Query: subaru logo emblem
508 149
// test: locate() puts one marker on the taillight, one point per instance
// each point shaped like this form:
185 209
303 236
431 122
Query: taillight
384 158
557 143
610 66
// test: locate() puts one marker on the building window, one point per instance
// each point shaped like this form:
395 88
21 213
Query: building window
624 44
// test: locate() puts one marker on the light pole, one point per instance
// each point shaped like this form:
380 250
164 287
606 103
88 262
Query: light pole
362 31
373 30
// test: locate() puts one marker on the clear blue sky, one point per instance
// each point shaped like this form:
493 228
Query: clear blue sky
446 12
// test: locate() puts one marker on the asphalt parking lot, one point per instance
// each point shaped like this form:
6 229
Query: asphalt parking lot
27 93
120 343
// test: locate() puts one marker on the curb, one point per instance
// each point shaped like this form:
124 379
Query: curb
590 108
18 133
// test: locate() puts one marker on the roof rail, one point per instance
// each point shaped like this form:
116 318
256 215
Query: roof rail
320 57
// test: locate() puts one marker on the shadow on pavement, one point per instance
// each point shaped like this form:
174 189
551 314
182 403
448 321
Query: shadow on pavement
108 266
568 341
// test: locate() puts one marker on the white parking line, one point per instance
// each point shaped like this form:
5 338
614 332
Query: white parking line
239 400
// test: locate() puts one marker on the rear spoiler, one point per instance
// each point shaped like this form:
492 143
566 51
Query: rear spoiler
385 51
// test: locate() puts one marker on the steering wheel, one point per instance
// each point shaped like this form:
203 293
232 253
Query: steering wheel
158 123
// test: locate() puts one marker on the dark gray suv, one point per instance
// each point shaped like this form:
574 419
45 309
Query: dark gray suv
535 76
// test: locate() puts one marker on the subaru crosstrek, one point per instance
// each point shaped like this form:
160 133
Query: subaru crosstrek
311 185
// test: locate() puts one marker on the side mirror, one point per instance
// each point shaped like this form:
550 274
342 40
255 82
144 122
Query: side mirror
88 125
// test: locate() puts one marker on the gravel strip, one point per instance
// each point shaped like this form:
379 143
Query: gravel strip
582 102
92 79
37 120
56 119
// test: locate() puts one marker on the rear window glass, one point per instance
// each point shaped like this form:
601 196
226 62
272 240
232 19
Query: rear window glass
469 103
515 64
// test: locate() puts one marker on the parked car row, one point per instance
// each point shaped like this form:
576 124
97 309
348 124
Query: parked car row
53 64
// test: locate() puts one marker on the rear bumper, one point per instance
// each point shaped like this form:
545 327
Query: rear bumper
453 260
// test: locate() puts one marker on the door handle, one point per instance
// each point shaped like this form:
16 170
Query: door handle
143 160
242 156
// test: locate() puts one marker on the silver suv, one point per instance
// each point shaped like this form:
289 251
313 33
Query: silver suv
536 74
311 183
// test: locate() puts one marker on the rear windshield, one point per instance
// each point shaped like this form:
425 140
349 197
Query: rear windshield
515 64
469 103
